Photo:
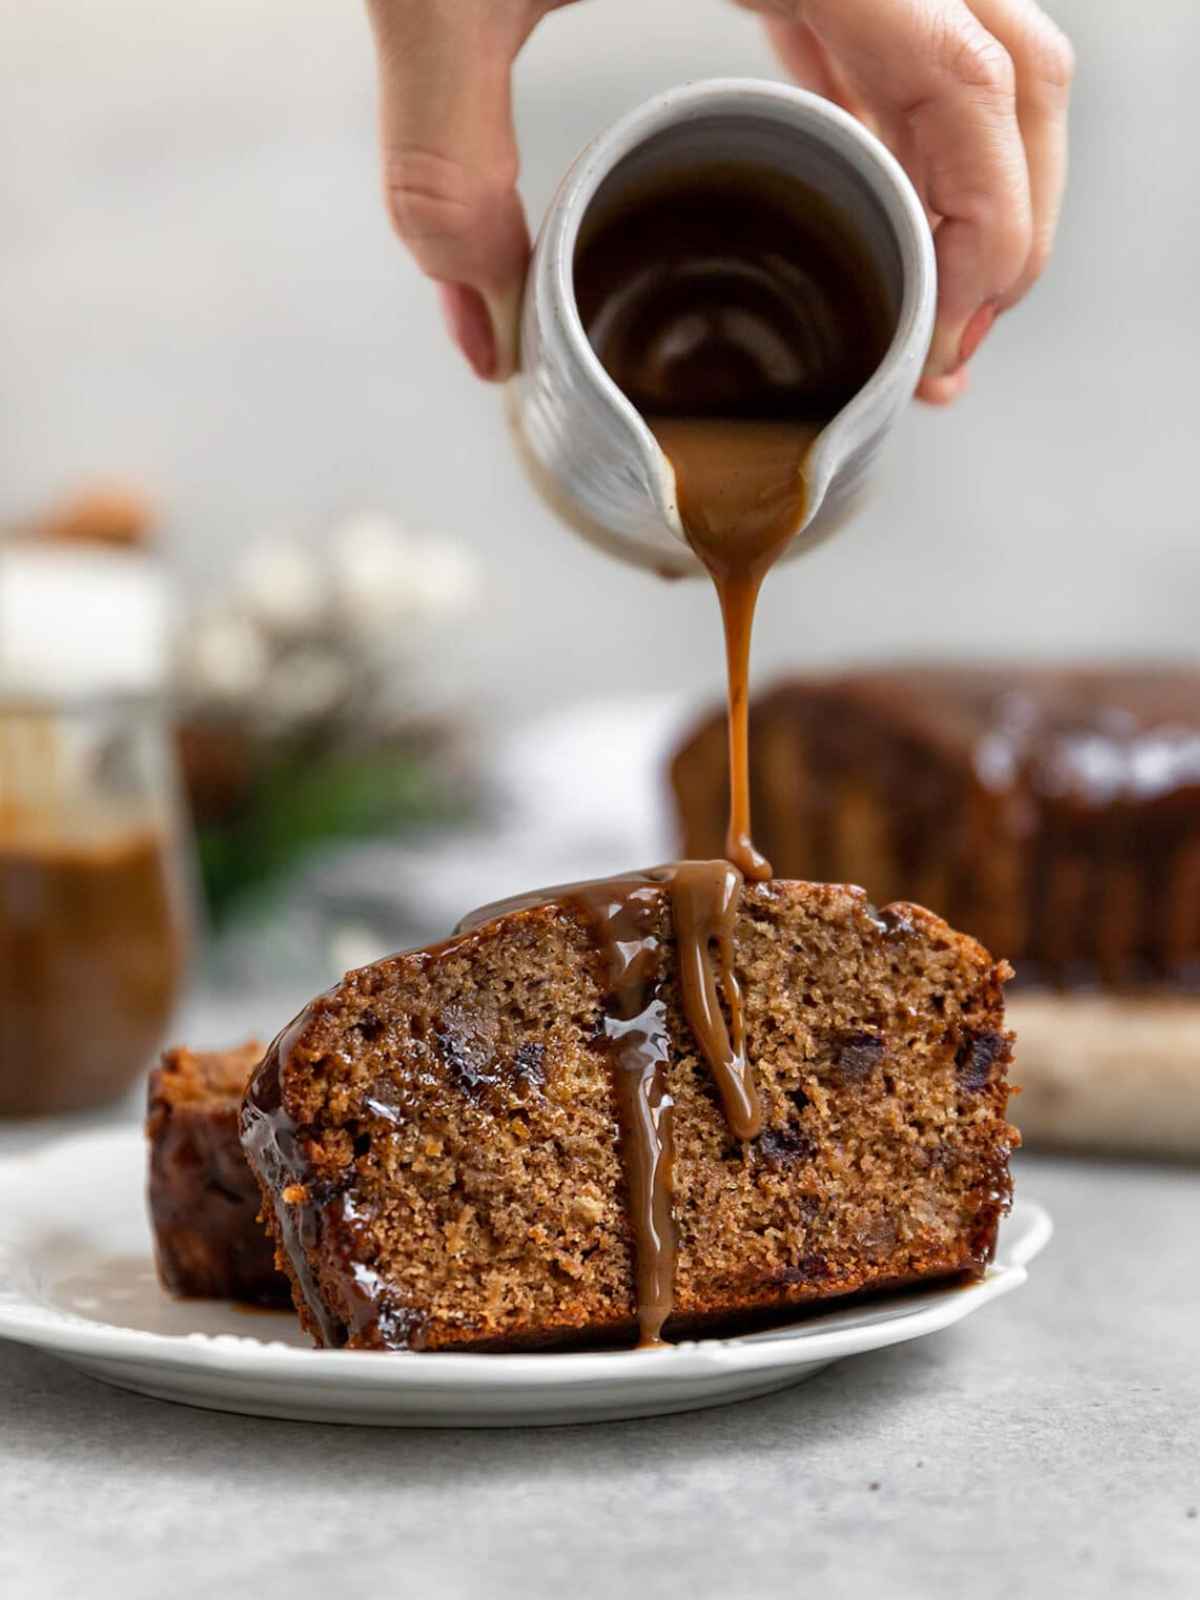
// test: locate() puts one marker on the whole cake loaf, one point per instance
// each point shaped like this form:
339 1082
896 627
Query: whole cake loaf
666 1103
209 1243
1054 813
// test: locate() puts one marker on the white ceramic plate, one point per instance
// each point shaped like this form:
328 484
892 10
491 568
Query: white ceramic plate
77 1279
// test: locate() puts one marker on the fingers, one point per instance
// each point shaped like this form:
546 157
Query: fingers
450 159
1045 64
802 56
936 69
806 61
973 99
944 391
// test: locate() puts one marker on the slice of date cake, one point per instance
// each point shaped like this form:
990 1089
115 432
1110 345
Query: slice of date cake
526 1136
203 1200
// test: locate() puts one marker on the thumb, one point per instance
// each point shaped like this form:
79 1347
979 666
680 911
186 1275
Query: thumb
450 159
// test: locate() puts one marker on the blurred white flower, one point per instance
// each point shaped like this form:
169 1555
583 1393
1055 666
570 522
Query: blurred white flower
223 659
382 575
347 630
374 570
304 685
280 583
352 944
447 578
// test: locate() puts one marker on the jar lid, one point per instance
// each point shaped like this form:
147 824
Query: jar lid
80 622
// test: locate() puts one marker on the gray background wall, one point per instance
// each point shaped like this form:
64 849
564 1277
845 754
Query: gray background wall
198 289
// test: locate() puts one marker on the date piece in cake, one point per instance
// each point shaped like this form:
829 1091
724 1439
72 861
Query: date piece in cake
571 1118
204 1202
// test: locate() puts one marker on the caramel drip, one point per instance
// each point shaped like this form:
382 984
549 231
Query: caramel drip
621 912
738 601
704 903
740 488
271 1140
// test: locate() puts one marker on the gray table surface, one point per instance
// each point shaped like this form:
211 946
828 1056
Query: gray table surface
1049 1446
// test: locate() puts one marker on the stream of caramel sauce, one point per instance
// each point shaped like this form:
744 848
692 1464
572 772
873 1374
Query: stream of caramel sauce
739 313
624 915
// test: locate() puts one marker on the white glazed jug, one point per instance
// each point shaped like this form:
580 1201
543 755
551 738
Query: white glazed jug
587 448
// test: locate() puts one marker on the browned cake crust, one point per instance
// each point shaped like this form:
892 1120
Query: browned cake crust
1053 812
208 1241
440 1159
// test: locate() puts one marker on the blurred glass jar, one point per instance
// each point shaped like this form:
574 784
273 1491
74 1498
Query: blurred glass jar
95 897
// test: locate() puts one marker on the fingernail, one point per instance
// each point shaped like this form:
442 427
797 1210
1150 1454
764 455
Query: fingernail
976 331
470 325
944 391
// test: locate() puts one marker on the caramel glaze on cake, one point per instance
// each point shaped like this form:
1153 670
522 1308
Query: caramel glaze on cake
209 1243
517 1138
1054 812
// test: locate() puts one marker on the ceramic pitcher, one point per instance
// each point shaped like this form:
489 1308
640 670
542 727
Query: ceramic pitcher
587 448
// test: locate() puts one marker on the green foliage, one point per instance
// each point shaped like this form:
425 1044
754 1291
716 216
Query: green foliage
302 803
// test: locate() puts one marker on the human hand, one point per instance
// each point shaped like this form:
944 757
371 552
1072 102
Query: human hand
971 97
450 160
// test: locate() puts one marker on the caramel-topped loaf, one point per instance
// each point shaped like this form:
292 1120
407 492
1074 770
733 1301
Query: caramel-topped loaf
1053 812
204 1203
665 1101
